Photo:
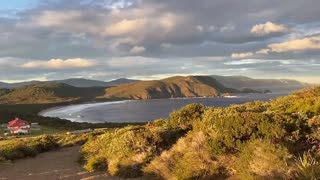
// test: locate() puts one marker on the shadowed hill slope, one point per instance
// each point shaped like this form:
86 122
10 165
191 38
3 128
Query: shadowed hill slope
80 82
76 82
48 93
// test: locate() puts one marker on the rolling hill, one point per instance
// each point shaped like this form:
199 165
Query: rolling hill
80 82
275 85
42 93
76 82
19 84
191 86
235 82
173 87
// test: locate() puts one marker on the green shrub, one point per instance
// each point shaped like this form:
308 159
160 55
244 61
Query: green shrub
189 158
260 159
128 149
31 146
44 143
186 116
17 150
230 129
95 164
306 167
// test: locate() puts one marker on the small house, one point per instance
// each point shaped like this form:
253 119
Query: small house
19 126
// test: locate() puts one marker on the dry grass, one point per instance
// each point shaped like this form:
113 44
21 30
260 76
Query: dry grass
189 158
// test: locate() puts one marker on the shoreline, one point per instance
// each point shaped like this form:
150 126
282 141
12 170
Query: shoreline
41 113
112 101
73 109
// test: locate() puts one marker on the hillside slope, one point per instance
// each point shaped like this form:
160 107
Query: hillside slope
19 84
80 82
191 86
48 93
76 82
275 85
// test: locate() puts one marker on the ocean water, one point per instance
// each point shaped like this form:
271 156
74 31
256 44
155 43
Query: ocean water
143 110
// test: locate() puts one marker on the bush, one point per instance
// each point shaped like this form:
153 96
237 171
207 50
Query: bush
260 159
45 143
31 146
230 129
96 164
17 150
189 158
186 116
306 167
128 149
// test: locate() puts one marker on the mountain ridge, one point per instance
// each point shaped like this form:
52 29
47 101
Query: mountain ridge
236 82
275 85
178 86
172 87
76 82
48 92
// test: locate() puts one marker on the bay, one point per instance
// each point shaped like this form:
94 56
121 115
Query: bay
143 110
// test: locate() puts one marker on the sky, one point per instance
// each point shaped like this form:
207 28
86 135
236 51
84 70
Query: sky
153 39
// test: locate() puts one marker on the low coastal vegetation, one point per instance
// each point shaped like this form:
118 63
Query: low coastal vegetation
261 140
279 139
18 148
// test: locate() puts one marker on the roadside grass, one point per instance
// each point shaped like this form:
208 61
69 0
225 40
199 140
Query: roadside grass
30 146
45 130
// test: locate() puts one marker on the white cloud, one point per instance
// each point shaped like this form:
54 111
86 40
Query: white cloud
141 24
268 28
296 45
228 27
125 27
244 61
162 76
259 61
131 61
263 51
41 78
55 18
241 55
200 28
137 50
59 64
293 45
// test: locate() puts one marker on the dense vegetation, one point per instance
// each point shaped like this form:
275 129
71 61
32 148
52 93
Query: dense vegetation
31 146
279 139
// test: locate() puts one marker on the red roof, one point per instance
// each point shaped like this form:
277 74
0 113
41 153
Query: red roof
17 123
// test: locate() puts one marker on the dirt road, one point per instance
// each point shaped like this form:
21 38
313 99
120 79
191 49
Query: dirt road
60 164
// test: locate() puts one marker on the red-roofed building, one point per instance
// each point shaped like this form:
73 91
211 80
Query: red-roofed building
19 126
